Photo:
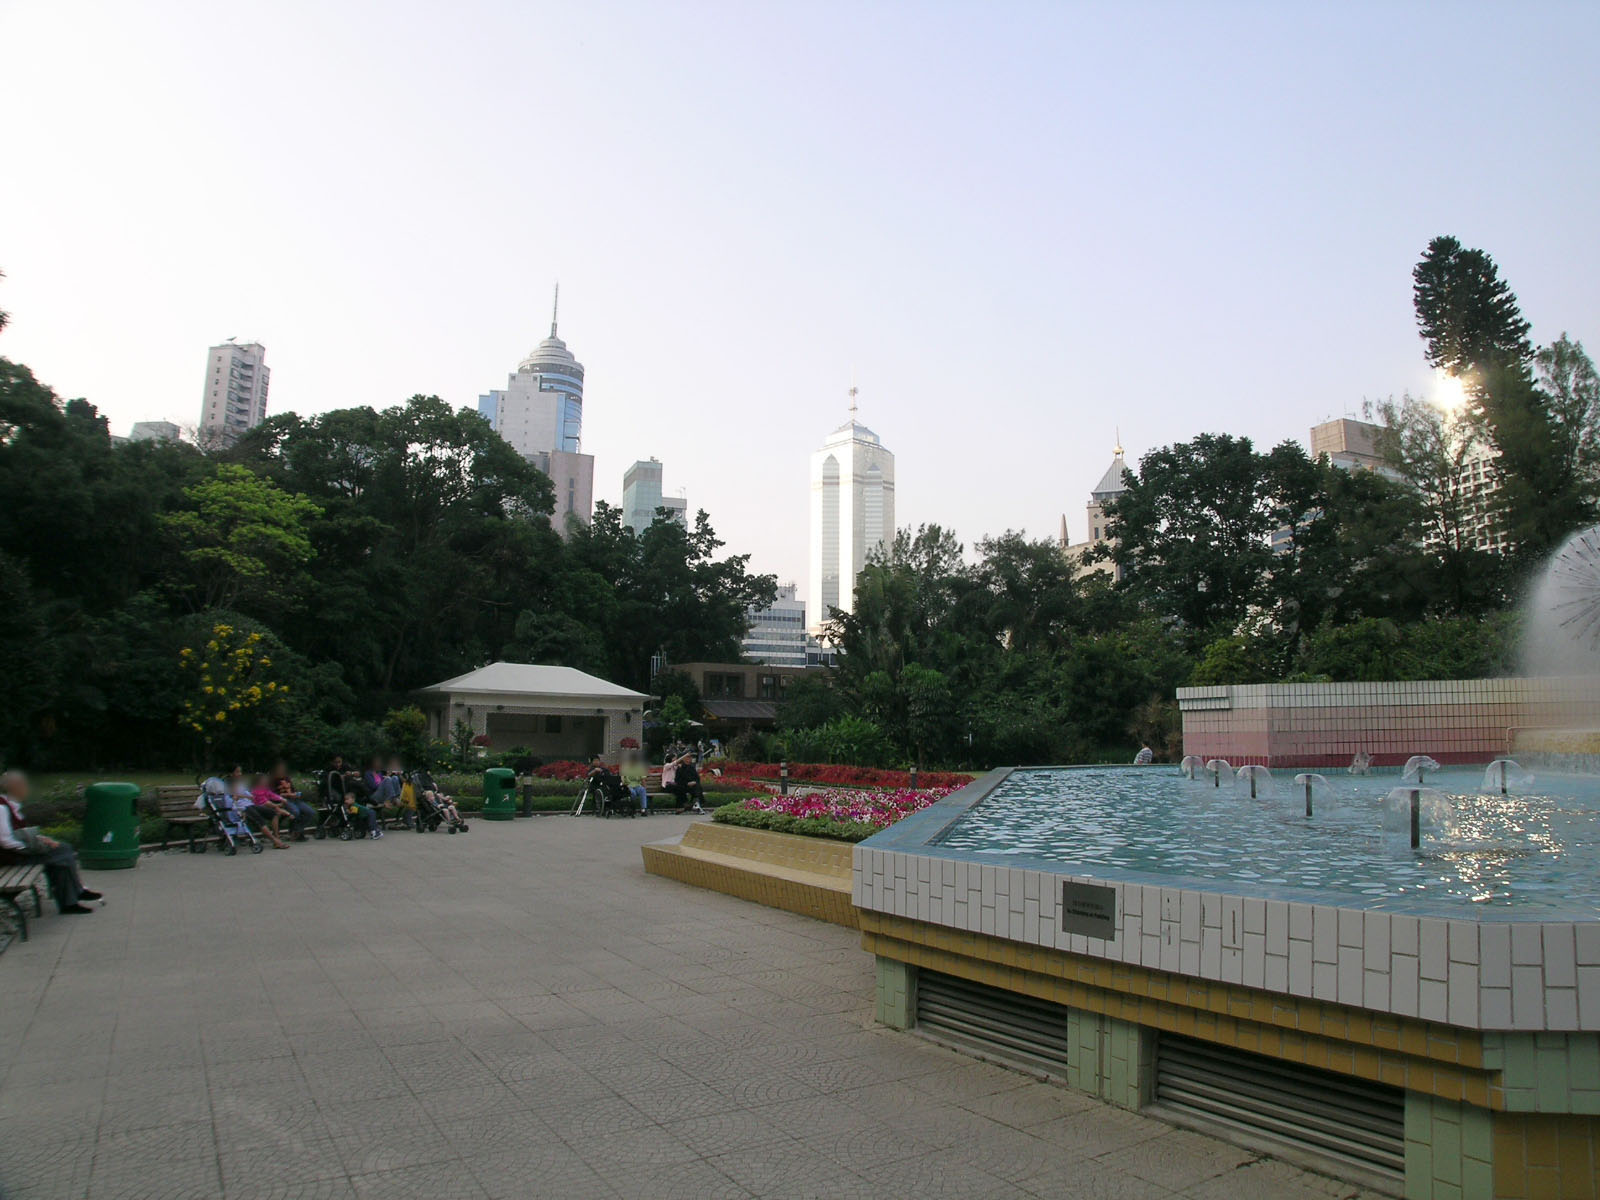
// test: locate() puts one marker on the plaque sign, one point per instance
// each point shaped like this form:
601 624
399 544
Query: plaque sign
1089 909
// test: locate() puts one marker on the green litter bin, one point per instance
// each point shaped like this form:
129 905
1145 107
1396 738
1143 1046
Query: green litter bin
110 826
499 794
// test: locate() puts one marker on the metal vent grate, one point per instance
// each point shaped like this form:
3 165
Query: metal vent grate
1284 1107
1006 1027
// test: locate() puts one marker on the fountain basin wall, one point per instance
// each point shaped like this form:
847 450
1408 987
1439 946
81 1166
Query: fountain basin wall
1327 724
1489 1025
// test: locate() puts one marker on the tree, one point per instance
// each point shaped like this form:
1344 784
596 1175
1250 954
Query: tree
1466 313
244 534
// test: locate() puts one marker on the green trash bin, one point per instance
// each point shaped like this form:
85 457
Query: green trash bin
110 827
499 794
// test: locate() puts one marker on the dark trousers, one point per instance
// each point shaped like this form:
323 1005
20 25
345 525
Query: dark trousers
60 865
305 817
687 793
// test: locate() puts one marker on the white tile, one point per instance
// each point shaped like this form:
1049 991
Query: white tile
1433 1001
1464 941
1560 956
1403 991
1171 903
1463 988
1325 981
1277 927
1403 935
1587 935
1494 1011
1189 958
1434 955
1375 942
1253 971
1189 916
1325 934
1255 916
1375 990
1350 927
1589 998
1277 974
1300 921
1210 953
1171 955
1527 996
1352 985
1130 899
1561 1008
1527 946
1494 947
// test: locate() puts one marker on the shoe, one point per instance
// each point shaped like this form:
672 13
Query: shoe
86 894
377 833
372 835
76 909
697 809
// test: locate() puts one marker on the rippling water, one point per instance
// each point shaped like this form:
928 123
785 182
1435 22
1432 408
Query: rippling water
1538 852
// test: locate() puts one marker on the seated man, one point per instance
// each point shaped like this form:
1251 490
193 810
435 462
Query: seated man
22 843
685 783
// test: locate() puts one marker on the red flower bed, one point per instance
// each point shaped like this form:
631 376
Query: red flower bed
839 775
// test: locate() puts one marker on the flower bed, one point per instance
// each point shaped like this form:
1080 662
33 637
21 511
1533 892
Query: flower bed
846 816
841 775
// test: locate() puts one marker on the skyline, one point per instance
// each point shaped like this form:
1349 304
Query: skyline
1017 229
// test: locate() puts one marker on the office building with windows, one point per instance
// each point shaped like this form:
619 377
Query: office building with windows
641 497
235 397
777 635
852 514
540 412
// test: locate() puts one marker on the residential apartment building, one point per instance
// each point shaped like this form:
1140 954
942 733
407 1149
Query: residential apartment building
235 397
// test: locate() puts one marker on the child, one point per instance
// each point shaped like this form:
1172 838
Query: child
363 815
265 810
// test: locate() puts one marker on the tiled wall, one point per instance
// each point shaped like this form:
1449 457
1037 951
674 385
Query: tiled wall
1326 724
1525 976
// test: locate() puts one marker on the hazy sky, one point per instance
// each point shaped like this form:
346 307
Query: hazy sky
1019 225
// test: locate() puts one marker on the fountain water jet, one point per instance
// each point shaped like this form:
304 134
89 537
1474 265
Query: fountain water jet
1410 810
1191 766
1311 783
1259 780
1503 774
1417 766
1216 767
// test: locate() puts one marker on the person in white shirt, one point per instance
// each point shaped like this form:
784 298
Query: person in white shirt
20 842
1145 757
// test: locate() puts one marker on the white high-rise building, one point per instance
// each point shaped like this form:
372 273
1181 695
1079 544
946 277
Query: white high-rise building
540 413
641 496
235 394
852 513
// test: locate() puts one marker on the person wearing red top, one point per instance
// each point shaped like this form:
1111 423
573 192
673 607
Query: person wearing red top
266 811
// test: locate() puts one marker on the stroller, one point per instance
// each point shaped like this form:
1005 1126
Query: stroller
227 821
334 818
605 792
430 812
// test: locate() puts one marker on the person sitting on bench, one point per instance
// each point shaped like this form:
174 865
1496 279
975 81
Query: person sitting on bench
23 843
685 783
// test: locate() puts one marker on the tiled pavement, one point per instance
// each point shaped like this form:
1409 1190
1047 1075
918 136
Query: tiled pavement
519 1012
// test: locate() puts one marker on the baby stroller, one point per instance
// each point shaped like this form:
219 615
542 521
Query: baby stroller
605 794
334 819
430 812
227 820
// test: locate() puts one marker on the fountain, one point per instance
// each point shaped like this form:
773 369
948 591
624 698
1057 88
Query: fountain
1417 767
1412 810
1503 774
1191 766
1360 763
1257 779
1312 785
1218 767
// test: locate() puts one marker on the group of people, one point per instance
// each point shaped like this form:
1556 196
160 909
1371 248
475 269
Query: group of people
272 806
680 776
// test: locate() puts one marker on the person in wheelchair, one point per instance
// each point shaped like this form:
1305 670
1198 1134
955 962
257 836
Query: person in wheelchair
606 785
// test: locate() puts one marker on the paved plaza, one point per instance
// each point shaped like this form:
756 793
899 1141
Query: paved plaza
518 1012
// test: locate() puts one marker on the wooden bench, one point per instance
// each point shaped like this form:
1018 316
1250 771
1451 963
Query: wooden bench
16 882
175 806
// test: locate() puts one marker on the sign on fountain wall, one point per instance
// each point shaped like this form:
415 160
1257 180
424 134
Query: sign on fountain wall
1089 909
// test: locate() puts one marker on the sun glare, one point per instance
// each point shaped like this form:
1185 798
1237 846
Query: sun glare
1449 393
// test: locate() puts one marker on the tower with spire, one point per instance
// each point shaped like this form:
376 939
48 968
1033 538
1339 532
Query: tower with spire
852 513
540 412
1111 486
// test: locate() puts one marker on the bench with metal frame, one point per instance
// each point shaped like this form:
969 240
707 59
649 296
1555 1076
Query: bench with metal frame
18 881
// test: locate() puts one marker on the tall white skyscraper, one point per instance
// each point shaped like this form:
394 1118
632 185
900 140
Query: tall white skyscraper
852 512
641 496
540 413
235 394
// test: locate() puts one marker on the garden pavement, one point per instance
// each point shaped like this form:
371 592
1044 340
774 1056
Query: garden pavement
517 1012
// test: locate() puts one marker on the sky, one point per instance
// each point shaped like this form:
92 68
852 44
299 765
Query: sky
1018 227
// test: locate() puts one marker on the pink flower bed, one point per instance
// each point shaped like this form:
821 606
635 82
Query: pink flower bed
878 809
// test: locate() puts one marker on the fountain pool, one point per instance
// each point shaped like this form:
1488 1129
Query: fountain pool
1533 853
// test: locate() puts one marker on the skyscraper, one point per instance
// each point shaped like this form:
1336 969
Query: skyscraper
540 413
852 512
235 397
641 496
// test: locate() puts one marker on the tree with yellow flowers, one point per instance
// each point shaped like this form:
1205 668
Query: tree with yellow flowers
230 680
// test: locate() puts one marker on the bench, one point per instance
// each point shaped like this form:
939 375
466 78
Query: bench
175 806
18 881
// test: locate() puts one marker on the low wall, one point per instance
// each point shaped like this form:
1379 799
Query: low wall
805 875
1327 724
